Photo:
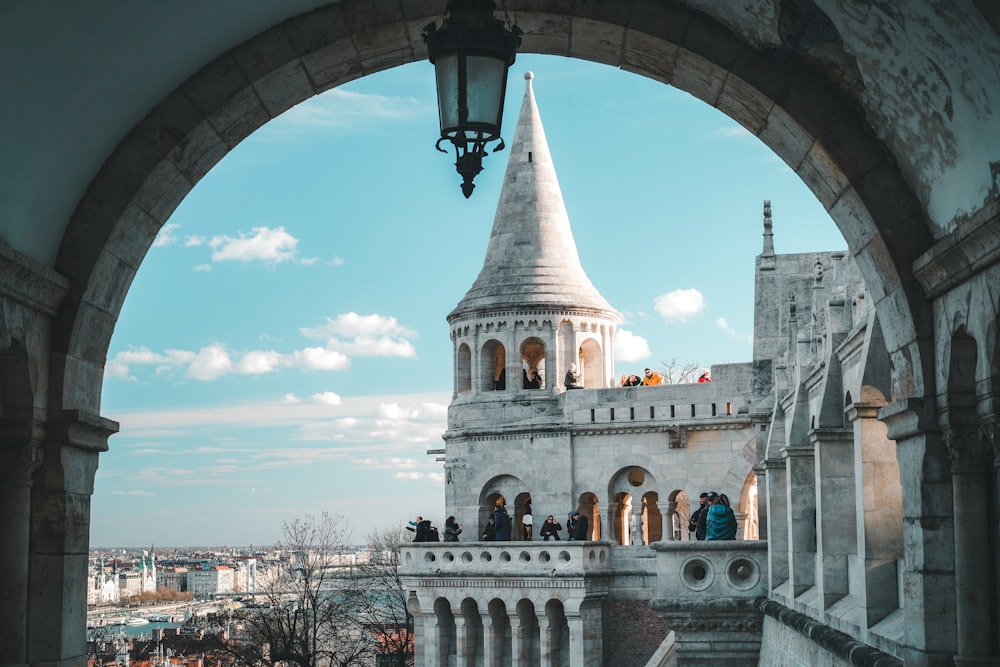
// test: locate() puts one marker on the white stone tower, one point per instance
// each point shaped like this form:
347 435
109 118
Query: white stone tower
532 310
532 306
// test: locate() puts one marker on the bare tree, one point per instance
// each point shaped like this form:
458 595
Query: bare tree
676 373
306 610
382 598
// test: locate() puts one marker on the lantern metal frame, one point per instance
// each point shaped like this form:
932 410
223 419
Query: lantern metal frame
471 40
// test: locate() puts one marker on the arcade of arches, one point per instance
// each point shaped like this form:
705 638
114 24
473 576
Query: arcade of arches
886 111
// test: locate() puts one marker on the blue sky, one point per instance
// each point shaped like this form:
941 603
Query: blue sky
283 349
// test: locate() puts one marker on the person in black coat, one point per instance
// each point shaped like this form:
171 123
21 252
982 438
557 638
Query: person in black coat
502 520
419 527
581 530
550 529
490 531
696 524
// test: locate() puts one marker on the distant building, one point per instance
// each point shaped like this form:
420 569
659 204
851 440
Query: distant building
210 581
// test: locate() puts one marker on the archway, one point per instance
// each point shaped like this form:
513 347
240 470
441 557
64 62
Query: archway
782 94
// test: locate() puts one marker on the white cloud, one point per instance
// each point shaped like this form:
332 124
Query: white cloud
194 241
258 362
203 267
630 347
336 261
262 244
731 332
344 108
327 398
291 399
210 363
364 335
318 359
395 412
680 305
215 361
167 235
353 325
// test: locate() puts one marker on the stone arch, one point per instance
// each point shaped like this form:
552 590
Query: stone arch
493 366
778 93
558 633
522 506
682 509
474 648
740 470
498 633
530 631
592 363
748 512
816 128
533 358
446 631
463 369
588 505
500 490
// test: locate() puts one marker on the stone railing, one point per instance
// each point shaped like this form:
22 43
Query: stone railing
705 593
505 559
724 568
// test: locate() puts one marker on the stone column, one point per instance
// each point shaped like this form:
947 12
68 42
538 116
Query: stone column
18 460
609 521
801 489
519 653
970 470
462 643
777 534
577 654
636 537
550 638
668 521
493 638
428 638
929 633
60 532
879 511
835 511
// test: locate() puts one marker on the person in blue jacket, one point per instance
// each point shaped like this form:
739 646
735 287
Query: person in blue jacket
720 524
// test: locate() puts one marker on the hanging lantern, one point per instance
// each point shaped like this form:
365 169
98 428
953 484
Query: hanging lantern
471 53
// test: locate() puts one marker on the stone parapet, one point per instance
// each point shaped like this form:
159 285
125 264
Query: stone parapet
705 593
498 560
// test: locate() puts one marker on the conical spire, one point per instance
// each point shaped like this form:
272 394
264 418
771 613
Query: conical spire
531 260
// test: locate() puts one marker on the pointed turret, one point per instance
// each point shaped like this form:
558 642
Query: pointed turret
531 261
532 314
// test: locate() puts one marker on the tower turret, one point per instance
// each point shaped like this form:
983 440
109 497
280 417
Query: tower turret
532 308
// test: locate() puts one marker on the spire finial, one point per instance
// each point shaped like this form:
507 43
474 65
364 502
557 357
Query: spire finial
768 233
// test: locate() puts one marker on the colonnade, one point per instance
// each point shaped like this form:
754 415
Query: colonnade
546 630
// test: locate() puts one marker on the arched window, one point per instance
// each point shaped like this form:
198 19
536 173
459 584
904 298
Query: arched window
463 369
592 364
493 367
533 364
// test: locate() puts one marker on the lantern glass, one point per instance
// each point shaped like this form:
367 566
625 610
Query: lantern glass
446 70
485 78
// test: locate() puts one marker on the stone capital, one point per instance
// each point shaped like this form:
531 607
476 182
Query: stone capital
909 418
968 451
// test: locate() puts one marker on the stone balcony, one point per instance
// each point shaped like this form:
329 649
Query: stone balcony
505 559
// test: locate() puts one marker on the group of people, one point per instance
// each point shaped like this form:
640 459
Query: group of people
577 528
651 377
499 528
714 519
648 378
424 530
